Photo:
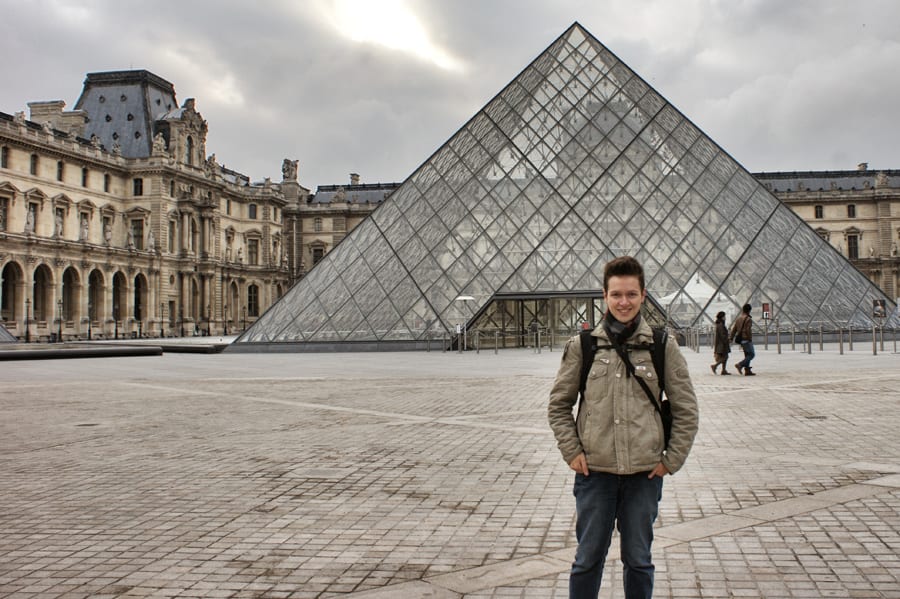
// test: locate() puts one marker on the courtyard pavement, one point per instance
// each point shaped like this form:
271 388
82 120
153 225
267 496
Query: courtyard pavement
429 474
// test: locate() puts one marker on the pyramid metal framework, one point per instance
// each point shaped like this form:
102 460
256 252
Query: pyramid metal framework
578 160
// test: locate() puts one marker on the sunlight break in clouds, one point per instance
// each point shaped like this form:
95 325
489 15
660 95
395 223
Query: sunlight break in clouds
391 24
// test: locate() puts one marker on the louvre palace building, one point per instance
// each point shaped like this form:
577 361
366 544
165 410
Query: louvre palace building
115 221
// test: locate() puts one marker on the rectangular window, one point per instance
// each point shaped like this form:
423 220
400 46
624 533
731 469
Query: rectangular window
84 177
138 186
106 183
228 207
853 247
33 169
253 300
4 214
60 170
820 212
171 236
317 255
137 232
251 211
340 223
851 210
253 252
317 224
4 157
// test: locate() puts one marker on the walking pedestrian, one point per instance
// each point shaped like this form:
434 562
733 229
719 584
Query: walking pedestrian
721 345
742 333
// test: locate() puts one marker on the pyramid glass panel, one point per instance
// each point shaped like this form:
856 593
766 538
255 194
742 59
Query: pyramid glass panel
576 161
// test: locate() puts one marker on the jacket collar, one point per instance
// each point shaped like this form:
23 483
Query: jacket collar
643 334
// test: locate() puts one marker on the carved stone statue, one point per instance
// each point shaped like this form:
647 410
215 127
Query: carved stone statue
29 219
59 224
871 251
107 233
289 169
894 250
151 241
240 255
47 127
211 166
881 180
117 149
159 144
85 228
130 239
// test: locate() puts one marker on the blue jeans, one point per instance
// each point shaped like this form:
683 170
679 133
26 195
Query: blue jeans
749 354
601 501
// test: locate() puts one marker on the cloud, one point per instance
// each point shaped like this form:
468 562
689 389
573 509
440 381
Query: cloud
375 87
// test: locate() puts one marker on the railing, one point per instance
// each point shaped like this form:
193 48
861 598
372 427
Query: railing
695 338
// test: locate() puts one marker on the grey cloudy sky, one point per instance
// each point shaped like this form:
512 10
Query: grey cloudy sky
375 86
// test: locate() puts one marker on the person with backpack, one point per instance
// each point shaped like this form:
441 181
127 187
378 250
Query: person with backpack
625 438
742 333
721 345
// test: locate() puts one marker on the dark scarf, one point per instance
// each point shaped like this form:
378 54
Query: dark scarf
620 332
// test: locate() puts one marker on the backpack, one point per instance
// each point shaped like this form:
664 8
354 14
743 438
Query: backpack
658 355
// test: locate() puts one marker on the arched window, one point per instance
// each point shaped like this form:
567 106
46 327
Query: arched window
189 151
251 211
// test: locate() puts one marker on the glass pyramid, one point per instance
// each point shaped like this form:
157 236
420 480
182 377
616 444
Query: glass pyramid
576 161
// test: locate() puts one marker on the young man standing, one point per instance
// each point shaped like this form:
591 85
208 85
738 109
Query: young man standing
616 445
742 332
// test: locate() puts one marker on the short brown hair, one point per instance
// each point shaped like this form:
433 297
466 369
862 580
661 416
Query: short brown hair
623 266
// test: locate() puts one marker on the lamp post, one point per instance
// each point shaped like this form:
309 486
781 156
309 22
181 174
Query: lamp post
116 319
181 313
59 304
208 319
162 322
27 320
90 318
245 317
225 318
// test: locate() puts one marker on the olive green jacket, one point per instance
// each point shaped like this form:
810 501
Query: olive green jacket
617 428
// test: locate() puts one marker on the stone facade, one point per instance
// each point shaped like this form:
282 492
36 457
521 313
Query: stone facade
103 237
856 211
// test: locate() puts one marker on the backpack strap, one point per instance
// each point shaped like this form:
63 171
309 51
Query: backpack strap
658 353
588 350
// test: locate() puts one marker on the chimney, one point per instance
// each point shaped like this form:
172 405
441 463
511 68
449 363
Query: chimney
862 166
354 179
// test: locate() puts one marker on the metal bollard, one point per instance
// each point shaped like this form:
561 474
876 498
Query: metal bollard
496 342
821 341
874 342
841 340
539 342
849 337
766 344
443 343
881 337
808 341
793 338
477 342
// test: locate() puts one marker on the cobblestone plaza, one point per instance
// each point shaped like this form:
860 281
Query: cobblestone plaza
426 475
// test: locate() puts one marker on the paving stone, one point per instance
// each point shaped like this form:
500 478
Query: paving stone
381 474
